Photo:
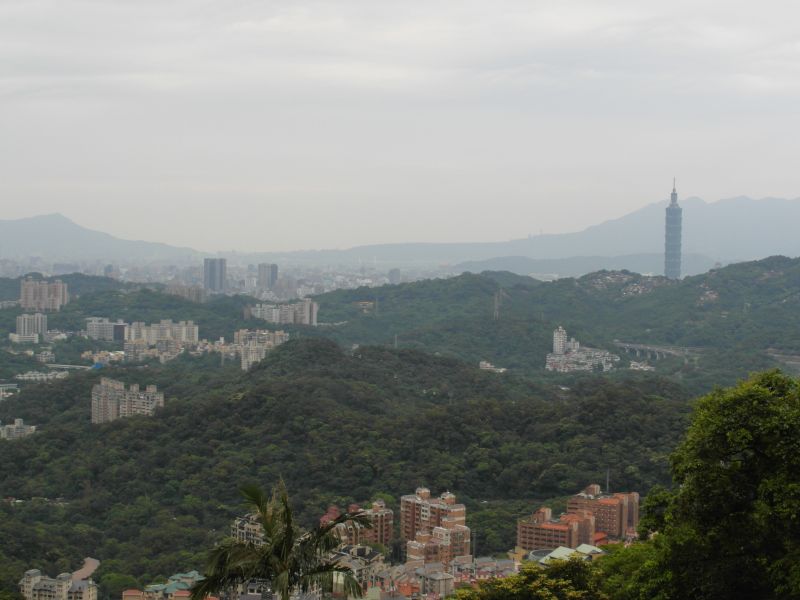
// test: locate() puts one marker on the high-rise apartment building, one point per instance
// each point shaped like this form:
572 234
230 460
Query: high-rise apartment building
434 528
303 312
672 237
215 275
420 512
111 401
43 295
182 332
267 276
559 340
30 329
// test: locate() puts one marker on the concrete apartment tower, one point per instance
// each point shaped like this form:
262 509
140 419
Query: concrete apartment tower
672 237
215 274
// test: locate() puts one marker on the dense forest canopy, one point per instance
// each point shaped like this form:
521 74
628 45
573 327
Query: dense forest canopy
351 418
146 494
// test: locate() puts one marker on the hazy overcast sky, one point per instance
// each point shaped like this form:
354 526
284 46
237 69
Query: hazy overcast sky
271 125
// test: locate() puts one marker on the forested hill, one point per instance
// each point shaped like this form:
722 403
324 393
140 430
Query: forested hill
742 311
148 495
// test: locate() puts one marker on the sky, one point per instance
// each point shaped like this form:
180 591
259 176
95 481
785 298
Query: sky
278 125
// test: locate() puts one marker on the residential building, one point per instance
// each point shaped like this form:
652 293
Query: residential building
253 345
672 237
591 518
183 332
43 295
16 430
35 586
30 329
365 563
111 401
568 355
248 529
381 530
41 376
440 545
617 514
46 357
420 512
267 276
303 312
434 528
215 275
437 584
177 587
102 329
540 530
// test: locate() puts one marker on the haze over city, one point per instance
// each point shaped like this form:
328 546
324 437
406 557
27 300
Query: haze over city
312 125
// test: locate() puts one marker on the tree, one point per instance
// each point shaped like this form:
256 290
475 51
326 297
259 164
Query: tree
732 527
288 557
561 580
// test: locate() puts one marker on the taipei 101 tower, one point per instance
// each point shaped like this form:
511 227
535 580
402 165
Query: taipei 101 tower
672 237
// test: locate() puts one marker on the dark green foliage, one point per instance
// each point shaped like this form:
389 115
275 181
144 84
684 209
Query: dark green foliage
337 427
562 580
732 528
729 529
735 316
289 557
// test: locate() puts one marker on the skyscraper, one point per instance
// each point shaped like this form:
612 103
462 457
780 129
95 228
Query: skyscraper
672 237
214 274
267 275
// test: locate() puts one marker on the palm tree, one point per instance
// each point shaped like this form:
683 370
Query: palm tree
288 557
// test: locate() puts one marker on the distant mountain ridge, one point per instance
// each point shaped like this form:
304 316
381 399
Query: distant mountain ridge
55 237
728 230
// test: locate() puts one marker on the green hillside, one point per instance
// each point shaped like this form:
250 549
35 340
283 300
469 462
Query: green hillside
734 316
148 495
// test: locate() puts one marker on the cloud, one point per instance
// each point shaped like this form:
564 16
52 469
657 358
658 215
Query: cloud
491 119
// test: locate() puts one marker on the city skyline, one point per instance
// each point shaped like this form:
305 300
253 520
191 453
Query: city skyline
420 122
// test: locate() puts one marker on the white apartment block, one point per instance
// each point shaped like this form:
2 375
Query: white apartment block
111 401
303 312
30 329
183 332
43 295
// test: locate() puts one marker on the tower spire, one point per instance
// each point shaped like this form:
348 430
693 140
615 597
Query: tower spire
672 240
